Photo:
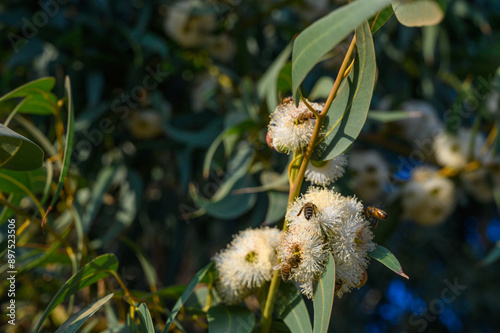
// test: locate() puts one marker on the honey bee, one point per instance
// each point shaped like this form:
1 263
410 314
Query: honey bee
287 100
374 214
304 116
309 209
286 268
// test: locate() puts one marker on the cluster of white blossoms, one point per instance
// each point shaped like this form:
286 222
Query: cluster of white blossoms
428 197
455 151
325 172
323 221
246 264
290 127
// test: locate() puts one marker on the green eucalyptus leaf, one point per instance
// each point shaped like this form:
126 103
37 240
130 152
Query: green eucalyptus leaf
388 259
44 84
382 18
323 297
418 13
322 88
278 202
147 325
44 104
267 85
147 267
68 145
388 116
73 323
291 307
223 319
185 295
323 35
17 152
97 269
32 180
284 82
349 109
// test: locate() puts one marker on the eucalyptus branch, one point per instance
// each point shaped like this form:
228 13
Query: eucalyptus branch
299 178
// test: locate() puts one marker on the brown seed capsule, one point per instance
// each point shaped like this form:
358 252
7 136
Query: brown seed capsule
269 140
364 279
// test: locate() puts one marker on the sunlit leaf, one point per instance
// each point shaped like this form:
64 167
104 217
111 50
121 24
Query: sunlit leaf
145 318
39 104
78 319
222 319
323 35
17 152
185 295
388 259
388 116
323 297
349 109
97 269
44 84
291 307
429 42
68 146
418 13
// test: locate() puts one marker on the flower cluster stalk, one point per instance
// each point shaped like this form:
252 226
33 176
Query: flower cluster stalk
297 179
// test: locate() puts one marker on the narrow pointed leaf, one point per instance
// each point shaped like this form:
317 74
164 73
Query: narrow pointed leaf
383 17
323 297
223 319
68 146
44 84
267 85
388 259
349 109
78 319
291 307
388 116
323 35
97 269
185 295
147 325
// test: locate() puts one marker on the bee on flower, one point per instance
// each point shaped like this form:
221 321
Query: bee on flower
292 127
339 226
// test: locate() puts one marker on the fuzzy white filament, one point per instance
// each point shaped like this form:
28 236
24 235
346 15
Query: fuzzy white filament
246 263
